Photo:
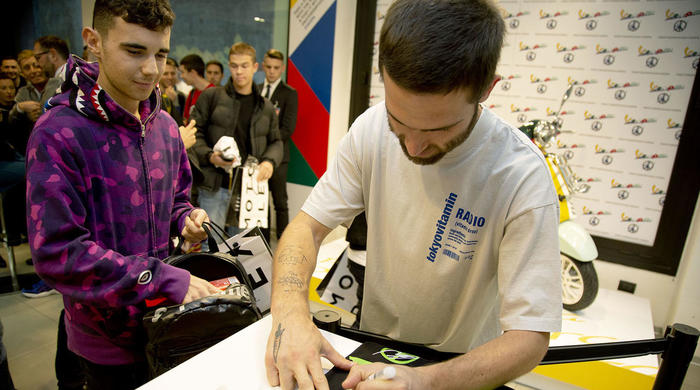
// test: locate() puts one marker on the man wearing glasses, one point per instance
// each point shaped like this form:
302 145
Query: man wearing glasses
51 52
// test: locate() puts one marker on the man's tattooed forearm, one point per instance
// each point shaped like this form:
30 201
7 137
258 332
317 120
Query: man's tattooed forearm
291 282
278 342
292 255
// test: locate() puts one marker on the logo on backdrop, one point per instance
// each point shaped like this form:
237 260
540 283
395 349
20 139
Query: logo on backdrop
623 192
597 123
634 23
551 22
591 21
633 223
664 96
568 149
530 54
652 56
568 52
513 20
607 159
608 53
594 216
620 89
680 24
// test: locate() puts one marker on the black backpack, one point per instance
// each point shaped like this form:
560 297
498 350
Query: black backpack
176 333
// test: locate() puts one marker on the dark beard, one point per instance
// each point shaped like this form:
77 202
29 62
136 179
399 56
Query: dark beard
451 144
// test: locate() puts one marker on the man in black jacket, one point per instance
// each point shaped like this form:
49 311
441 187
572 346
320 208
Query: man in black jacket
284 98
236 110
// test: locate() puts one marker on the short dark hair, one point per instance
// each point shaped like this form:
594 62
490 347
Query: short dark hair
5 76
193 61
274 53
155 15
53 42
441 45
171 61
8 58
217 63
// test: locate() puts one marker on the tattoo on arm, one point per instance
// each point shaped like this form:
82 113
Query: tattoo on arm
292 255
278 342
291 282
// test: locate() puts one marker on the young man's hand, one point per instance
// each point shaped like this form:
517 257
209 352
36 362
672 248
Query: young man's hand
216 160
193 232
31 108
170 92
187 133
199 288
265 170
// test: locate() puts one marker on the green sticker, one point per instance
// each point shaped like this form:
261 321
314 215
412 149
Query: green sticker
359 361
397 357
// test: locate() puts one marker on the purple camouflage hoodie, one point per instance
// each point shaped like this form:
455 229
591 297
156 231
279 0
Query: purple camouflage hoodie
98 226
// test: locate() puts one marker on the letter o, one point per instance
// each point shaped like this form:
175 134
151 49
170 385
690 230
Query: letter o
345 280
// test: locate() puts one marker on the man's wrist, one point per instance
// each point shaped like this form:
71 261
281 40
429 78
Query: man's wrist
431 375
291 307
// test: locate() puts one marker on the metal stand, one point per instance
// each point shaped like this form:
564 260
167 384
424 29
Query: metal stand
10 249
676 348
682 340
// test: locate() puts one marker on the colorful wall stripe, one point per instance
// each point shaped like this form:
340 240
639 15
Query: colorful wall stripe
309 71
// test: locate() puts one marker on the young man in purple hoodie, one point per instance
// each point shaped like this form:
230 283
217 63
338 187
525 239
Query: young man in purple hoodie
107 187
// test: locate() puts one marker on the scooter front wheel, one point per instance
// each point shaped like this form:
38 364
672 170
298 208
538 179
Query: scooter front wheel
579 283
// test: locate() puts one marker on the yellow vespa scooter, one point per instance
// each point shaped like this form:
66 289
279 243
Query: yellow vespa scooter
578 250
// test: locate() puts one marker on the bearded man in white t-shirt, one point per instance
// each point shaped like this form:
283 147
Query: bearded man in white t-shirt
462 248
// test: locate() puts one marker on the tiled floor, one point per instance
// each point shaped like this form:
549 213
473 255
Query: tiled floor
30 327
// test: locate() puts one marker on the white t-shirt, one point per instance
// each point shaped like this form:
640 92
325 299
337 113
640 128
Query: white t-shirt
458 251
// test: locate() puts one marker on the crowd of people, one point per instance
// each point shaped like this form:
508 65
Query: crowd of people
459 230
28 80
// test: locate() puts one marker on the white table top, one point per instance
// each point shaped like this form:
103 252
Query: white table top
237 362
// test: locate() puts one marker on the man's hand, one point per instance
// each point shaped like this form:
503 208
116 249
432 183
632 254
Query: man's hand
193 232
265 170
199 288
31 108
294 351
170 92
216 160
405 378
188 134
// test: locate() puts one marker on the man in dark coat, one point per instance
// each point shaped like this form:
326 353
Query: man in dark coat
236 110
284 98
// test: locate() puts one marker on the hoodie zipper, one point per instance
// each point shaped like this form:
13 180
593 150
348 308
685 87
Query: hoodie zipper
146 177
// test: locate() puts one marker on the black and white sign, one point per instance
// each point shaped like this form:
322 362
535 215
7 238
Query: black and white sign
254 199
